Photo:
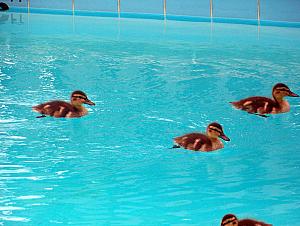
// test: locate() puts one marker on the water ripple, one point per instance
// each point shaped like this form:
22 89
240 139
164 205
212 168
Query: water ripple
117 160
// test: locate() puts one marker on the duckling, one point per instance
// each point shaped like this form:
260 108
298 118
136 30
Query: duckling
203 142
60 109
3 6
231 220
263 105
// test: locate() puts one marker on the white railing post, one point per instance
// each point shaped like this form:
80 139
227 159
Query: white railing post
119 7
73 6
258 10
165 9
28 6
211 9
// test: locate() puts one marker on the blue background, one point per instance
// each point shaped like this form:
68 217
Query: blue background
277 10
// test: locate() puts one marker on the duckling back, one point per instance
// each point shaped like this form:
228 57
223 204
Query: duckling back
250 222
256 104
193 141
57 109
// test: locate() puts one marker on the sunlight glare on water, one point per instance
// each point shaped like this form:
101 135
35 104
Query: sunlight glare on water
151 81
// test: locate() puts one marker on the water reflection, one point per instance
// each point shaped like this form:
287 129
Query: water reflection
13 18
3 18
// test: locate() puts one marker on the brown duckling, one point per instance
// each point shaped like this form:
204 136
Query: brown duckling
231 220
203 142
263 105
62 109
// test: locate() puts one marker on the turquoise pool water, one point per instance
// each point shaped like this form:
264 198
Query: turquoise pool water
151 80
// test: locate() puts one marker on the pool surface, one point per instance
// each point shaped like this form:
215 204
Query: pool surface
151 80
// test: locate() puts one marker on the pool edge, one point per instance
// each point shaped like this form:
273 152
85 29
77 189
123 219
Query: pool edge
157 17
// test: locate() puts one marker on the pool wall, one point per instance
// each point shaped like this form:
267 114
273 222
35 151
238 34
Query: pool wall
271 10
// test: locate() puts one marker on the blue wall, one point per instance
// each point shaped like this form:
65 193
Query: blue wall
188 7
281 10
246 9
277 10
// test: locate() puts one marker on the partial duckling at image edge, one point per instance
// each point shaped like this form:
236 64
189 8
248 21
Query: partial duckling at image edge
62 109
203 142
231 220
262 105
3 6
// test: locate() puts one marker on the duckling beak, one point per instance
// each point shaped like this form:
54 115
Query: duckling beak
89 102
224 137
291 94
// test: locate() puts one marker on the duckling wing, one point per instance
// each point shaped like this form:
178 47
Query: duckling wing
54 108
258 104
193 141
250 222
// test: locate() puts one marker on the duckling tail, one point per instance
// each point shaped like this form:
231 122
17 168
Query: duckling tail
236 104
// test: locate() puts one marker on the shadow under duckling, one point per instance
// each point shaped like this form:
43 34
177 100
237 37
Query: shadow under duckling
203 142
231 220
62 109
263 105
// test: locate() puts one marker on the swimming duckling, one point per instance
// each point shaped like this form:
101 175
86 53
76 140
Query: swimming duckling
263 105
203 142
231 220
60 109
3 6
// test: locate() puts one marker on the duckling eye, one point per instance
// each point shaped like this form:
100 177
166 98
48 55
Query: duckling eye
213 129
281 90
80 97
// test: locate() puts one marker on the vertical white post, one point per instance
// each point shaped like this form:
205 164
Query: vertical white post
258 18
258 10
211 9
165 9
119 7
73 16
28 6
73 6
211 18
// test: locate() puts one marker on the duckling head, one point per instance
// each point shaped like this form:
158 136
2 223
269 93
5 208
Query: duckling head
215 130
281 90
229 220
78 98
